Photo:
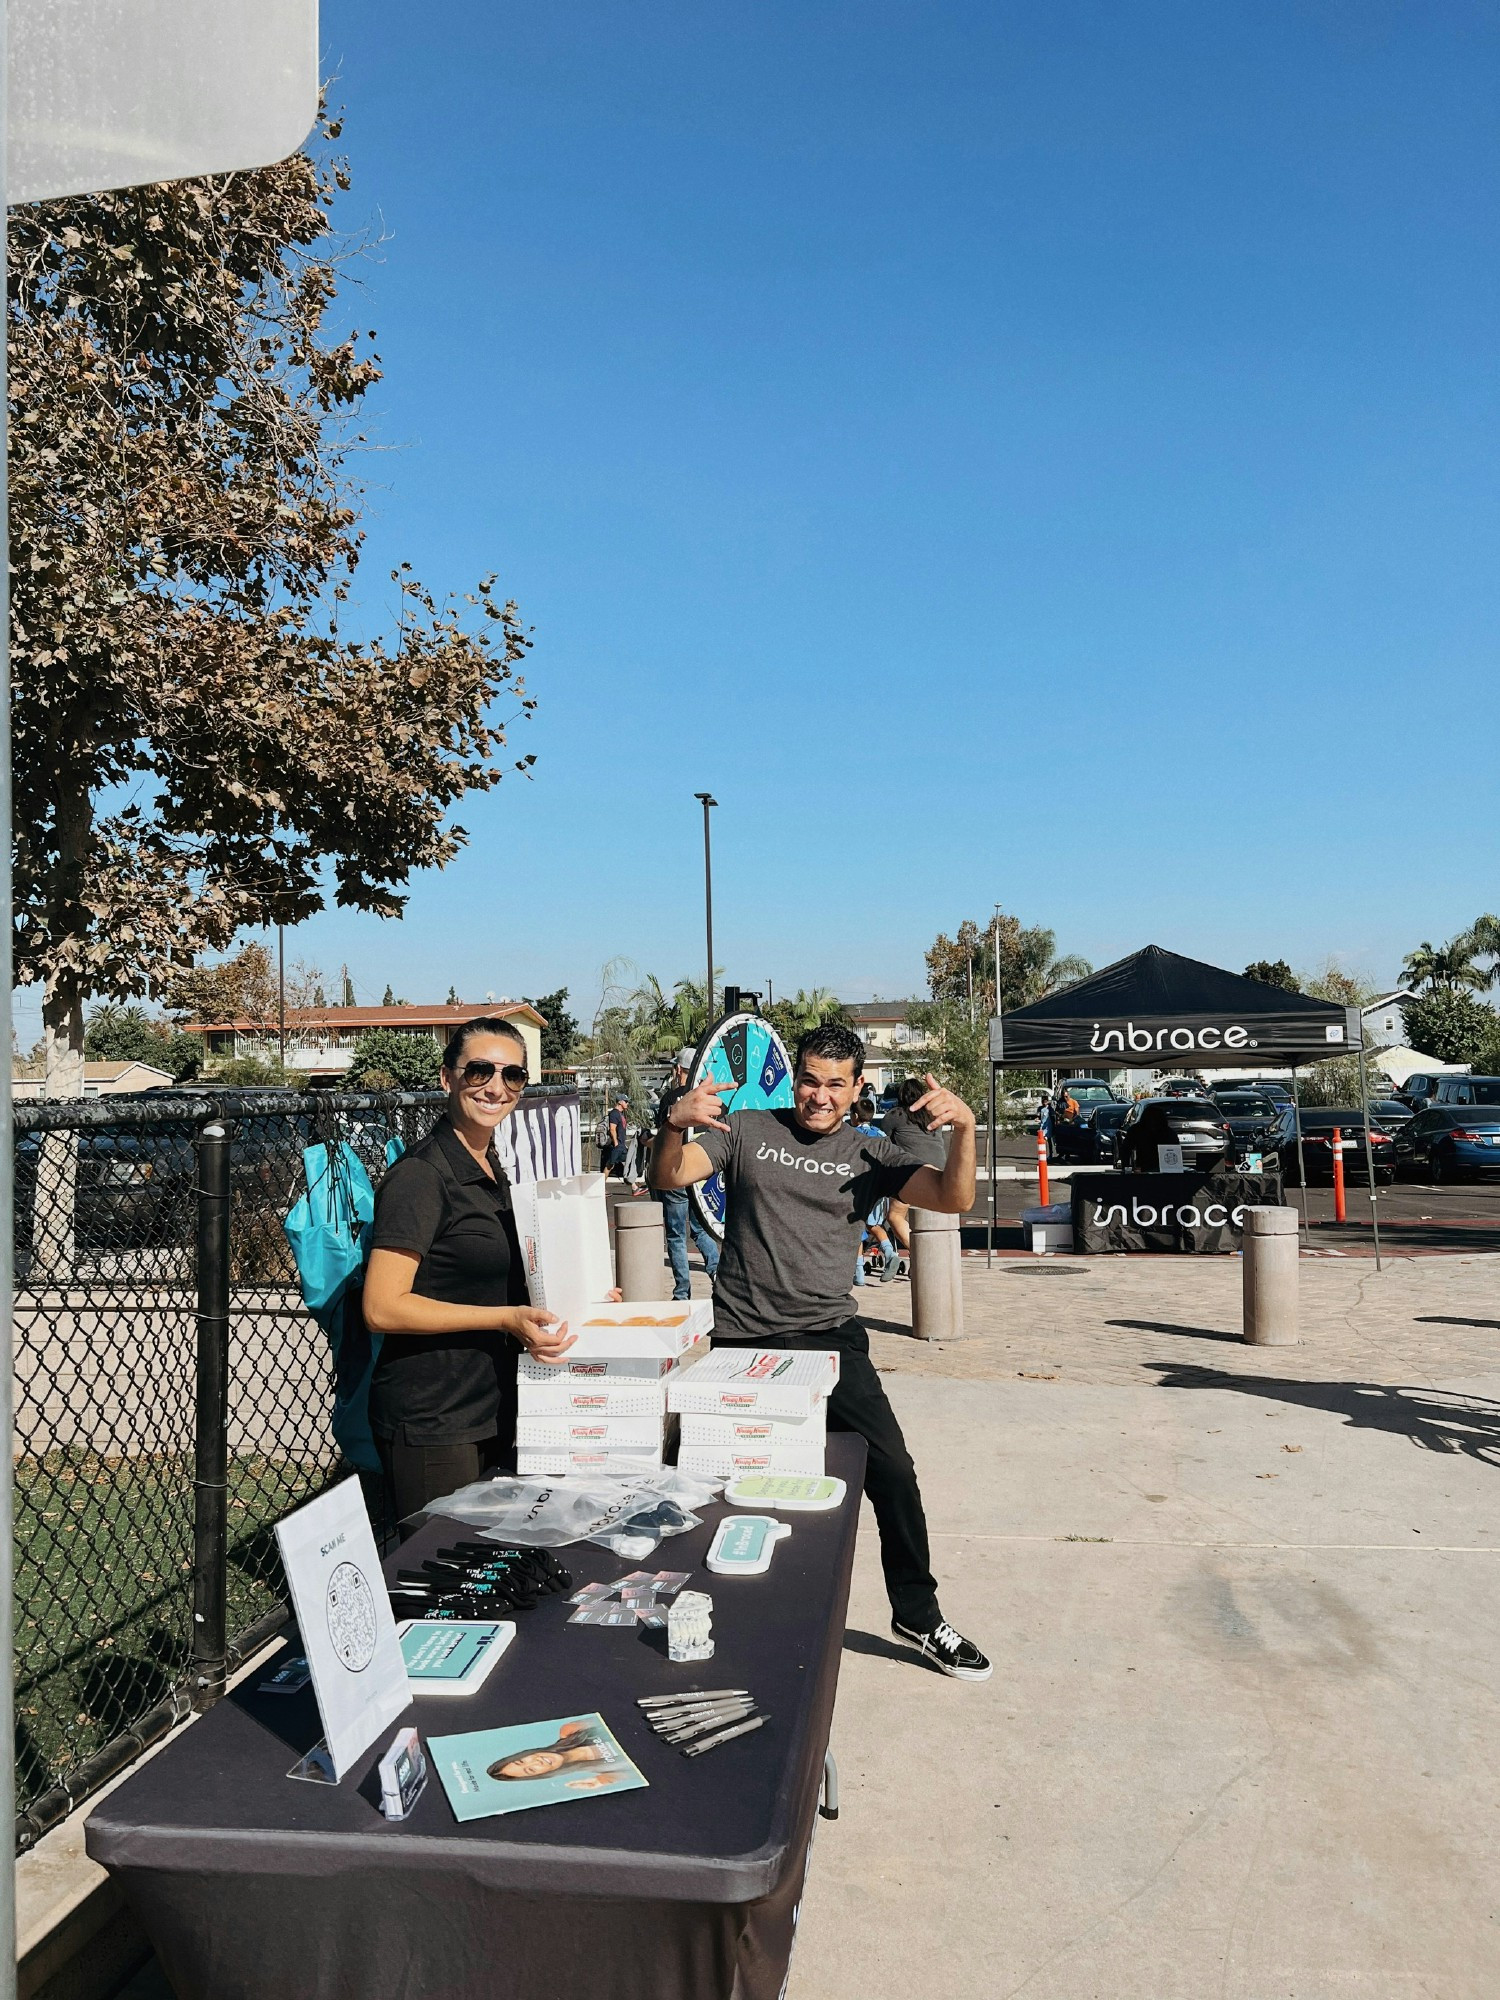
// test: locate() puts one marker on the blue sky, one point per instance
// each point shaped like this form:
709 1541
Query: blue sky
1034 452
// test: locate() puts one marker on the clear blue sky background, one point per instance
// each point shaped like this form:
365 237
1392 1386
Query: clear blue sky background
1040 452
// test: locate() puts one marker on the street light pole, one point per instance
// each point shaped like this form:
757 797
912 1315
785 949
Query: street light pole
281 994
708 802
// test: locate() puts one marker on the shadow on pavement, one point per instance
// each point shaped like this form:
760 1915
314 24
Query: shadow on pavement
1186 1332
1466 1424
1451 1319
875 1648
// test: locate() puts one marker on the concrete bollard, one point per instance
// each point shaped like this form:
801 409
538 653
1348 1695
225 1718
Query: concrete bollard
641 1250
937 1283
1270 1277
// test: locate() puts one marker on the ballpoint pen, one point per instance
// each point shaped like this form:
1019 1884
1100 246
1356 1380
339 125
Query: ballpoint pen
725 1736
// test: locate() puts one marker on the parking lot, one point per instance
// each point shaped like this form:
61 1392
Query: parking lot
1462 1216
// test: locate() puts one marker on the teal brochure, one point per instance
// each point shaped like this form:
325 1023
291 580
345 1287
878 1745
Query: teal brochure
451 1658
493 1771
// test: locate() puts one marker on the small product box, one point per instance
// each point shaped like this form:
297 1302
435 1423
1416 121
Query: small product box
575 1433
660 1329
749 1431
721 1462
755 1382
556 1461
619 1369
579 1400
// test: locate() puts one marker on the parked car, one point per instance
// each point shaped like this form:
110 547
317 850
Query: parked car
1182 1086
1103 1132
1252 1117
1196 1124
1390 1114
1449 1142
1468 1090
1264 1086
1087 1092
1419 1090
1318 1123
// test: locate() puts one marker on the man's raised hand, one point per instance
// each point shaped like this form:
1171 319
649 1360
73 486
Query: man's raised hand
943 1107
701 1107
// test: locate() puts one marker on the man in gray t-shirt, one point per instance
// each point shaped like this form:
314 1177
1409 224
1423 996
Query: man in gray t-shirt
798 1185
797 1202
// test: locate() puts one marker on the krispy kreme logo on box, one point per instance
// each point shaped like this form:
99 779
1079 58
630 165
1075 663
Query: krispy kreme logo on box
1181 1040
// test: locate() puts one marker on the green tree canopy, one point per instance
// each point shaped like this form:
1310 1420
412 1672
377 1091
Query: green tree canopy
559 1029
1030 967
1455 1027
198 744
1274 972
387 1059
129 1034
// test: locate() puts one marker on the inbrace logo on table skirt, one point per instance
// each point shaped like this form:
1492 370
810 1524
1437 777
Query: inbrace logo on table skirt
1143 1215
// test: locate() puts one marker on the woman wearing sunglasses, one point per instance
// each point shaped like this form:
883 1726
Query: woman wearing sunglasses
446 1284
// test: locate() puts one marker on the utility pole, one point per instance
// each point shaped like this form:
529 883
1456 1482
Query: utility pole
770 994
281 994
708 802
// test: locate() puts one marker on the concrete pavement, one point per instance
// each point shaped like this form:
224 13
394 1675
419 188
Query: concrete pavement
1243 1606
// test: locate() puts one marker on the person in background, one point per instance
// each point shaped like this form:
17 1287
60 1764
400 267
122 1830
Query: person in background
877 1255
446 1284
619 1137
678 1213
912 1133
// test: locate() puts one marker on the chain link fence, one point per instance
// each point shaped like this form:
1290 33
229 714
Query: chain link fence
167 1376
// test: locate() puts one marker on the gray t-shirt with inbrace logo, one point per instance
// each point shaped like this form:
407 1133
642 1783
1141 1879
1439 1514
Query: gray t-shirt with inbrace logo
796 1205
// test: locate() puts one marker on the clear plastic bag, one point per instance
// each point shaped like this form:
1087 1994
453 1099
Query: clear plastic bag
628 1516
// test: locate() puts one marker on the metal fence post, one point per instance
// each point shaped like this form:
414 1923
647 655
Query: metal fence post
211 1421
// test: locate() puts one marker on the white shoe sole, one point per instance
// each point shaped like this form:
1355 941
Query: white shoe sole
934 1660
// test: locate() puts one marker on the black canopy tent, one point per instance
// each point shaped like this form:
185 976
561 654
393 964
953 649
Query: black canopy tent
1158 1010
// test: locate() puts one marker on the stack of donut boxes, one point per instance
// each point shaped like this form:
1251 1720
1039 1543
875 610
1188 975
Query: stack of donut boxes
639 1368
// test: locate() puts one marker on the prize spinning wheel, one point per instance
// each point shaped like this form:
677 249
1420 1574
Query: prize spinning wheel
745 1050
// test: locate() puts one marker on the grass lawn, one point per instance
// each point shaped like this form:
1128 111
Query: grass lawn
103 1552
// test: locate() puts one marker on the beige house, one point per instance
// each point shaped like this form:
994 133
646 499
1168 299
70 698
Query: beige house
882 1026
320 1040
100 1079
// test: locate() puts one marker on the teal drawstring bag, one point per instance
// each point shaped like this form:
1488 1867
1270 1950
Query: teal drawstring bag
328 1229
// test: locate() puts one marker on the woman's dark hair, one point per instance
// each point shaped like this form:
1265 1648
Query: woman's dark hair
908 1090
486 1024
583 1739
833 1042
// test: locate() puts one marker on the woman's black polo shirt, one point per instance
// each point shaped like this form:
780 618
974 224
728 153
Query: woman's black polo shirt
438 1203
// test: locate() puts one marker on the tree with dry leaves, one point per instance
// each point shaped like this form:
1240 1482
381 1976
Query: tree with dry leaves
198 743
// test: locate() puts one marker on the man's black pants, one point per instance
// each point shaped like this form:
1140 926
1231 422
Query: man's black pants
860 1404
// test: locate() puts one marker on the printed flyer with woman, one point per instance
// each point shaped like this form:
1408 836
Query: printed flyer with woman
488 1772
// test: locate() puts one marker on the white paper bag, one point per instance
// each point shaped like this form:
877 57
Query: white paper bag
564 1230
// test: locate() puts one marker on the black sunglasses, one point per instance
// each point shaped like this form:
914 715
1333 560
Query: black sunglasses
513 1075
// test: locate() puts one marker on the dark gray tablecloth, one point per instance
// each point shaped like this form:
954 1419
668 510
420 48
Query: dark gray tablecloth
253 1886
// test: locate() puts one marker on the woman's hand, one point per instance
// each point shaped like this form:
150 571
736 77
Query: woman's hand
615 1296
544 1336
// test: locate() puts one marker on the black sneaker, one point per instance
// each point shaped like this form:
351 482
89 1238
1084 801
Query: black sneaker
948 1650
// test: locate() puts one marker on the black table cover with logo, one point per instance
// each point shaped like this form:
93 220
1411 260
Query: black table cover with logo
1187 1212
254 1886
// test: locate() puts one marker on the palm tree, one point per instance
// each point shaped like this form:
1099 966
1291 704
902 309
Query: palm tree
1485 940
1449 966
